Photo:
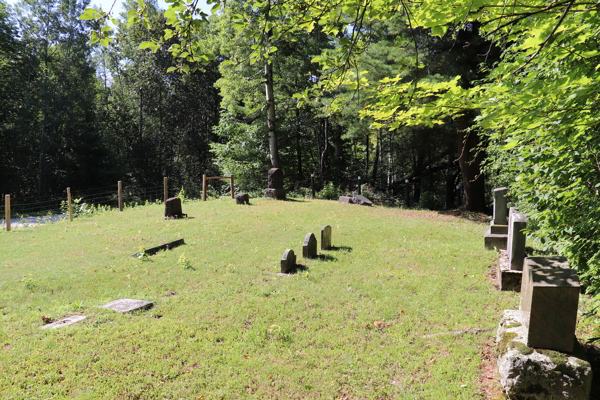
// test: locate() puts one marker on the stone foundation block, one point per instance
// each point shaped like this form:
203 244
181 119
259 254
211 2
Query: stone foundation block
535 374
494 241
278 194
508 279
499 229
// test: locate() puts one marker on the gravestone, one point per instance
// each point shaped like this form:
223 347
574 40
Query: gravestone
500 208
288 261
549 301
516 239
326 237
275 188
242 198
64 322
309 248
362 200
497 236
127 305
346 200
173 208
167 246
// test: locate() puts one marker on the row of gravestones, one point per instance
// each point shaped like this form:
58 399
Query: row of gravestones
309 249
547 315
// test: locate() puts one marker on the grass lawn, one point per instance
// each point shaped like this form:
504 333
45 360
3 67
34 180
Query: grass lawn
350 326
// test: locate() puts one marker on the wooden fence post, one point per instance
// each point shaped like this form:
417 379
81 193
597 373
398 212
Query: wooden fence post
203 187
120 194
232 189
69 200
166 185
7 213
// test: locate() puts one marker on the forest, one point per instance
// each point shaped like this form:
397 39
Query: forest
427 104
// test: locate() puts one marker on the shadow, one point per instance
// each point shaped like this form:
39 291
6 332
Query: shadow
327 257
297 268
293 200
593 357
468 215
340 248
167 246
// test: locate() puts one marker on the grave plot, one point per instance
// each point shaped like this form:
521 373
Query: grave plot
64 322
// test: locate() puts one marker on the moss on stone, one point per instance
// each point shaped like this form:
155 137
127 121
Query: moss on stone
505 343
558 358
523 349
513 325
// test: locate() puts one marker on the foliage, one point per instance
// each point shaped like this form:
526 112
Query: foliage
329 192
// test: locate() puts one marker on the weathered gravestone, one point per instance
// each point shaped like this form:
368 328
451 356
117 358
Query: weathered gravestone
275 184
539 356
288 261
126 305
173 208
510 265
64 322
242 198
309 248
549 300
497 236
326 237
362 200
346 200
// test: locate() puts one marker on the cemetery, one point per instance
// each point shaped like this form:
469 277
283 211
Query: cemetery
401 315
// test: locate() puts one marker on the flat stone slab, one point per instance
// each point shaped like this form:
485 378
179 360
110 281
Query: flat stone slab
64 322
493 241
362 200
127 305
167 246
534 374
508 280
278 194
346 200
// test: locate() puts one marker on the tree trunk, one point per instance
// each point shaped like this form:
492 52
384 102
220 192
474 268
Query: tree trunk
376 160
274 151
300 174
324 151
470 161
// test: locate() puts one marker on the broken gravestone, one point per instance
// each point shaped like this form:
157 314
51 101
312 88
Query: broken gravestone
346 200
242 198
326 237
127 305
361 200
275 188
309 248
173 208
64 322
288 261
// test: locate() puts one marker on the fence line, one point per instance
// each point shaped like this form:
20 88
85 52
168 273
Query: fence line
107 196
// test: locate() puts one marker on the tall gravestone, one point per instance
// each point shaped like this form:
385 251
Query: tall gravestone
497 236
545 321
326 237
275 188
309 247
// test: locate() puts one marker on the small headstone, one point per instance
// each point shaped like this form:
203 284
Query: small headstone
517 222
549 300
362 200
173 208
500 209
288 261
64 322
309 248
326 237
242 198
167 246
126 305
346 200
275 178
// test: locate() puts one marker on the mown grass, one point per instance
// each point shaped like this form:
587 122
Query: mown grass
348 327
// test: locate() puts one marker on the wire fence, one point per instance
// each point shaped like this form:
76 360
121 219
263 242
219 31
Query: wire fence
86 200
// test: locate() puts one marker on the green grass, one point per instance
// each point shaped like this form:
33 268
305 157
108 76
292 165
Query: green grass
350 326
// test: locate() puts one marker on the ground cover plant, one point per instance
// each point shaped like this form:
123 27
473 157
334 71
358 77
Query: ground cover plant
224 326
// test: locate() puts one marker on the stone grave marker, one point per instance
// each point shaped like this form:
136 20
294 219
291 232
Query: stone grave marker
497 236
346 200
64 322
275 184
549 301
516 239
173 208
288 261
309 248
127 305
242 198
167 246
326 237
362 200
500 208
